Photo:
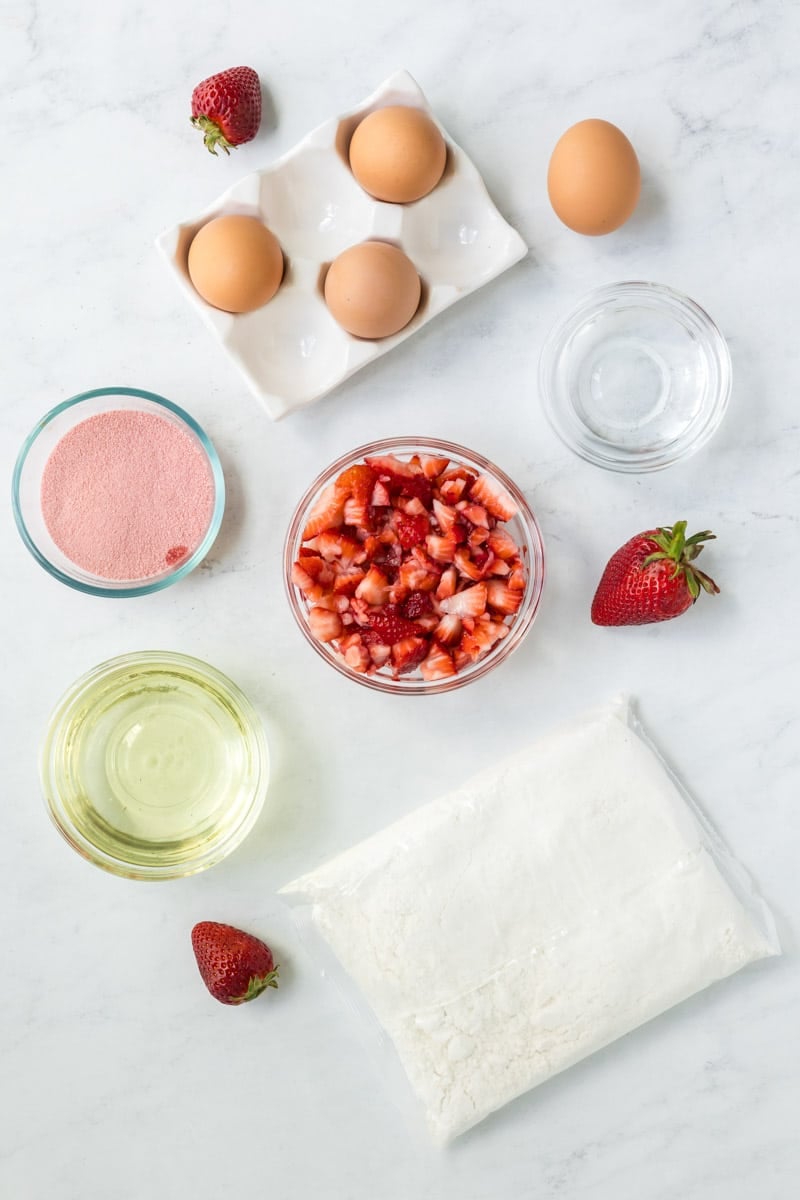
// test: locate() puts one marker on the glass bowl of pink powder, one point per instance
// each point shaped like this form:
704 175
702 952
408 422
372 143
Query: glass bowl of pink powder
118 492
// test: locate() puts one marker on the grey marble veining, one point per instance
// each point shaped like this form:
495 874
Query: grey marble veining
120 1078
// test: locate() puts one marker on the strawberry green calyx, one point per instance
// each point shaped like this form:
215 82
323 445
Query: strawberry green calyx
257 985
212 134
682 551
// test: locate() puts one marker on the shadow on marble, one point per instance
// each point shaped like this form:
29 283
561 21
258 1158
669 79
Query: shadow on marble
222 552
269 113
652 206
293 809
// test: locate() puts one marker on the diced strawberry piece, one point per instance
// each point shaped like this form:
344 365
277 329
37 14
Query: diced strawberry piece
517 578
476 565
389 557
414 577
411 531
469 603
324 625
498 628
441 549
360 611
331 545
358 658
452 490
398 593
438 664
379 654
387 466
477 643
447 584
465 565
460 659
474 645
409 653
432 466
327 513
374 587
402 478
500 567
305 582
317 568
461 531
502 597
424 560
356 483
333 603
420 487
502 544
478 537
357 514
391 628
494 497
347 581
476 514
380 496
449 630
469 623
412 508
428 623
446 516
457 473
417 604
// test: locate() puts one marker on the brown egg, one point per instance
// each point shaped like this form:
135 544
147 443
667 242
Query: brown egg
397 154
235 263
593 179
372 290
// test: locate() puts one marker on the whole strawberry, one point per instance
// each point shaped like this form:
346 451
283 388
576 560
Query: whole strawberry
235 966
227 107
653 577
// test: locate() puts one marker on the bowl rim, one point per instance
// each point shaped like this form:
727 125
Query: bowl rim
127 590
534 544
119 866
668 300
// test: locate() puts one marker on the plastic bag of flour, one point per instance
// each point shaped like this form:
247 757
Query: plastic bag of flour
549 905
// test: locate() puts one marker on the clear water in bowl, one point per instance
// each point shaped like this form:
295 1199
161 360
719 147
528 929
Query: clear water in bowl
636 377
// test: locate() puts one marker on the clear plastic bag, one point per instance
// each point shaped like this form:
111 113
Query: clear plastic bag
528 918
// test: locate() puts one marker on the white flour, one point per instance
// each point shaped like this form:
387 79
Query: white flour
532 916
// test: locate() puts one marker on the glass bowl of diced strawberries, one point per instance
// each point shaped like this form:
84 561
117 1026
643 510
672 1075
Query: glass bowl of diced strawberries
414 565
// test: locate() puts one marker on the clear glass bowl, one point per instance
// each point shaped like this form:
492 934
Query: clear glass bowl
523 528
635 378
27 482
154 766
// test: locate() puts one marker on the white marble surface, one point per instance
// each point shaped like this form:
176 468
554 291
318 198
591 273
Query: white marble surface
120 1077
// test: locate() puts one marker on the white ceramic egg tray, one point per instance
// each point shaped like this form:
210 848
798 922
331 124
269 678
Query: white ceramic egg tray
291 351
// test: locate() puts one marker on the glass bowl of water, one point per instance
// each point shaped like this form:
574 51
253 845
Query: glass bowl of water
635 378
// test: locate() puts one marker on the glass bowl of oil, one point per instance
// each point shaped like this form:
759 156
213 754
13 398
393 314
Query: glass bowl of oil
154 766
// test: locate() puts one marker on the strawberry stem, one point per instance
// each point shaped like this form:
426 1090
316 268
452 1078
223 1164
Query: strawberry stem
212 134
673 544
259 984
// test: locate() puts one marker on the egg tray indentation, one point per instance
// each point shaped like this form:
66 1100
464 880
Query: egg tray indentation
292 352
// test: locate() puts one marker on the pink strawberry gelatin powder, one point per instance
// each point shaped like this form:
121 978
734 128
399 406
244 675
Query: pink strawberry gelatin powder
127 495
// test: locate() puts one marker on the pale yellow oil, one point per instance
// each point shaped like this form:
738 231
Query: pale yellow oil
155 763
